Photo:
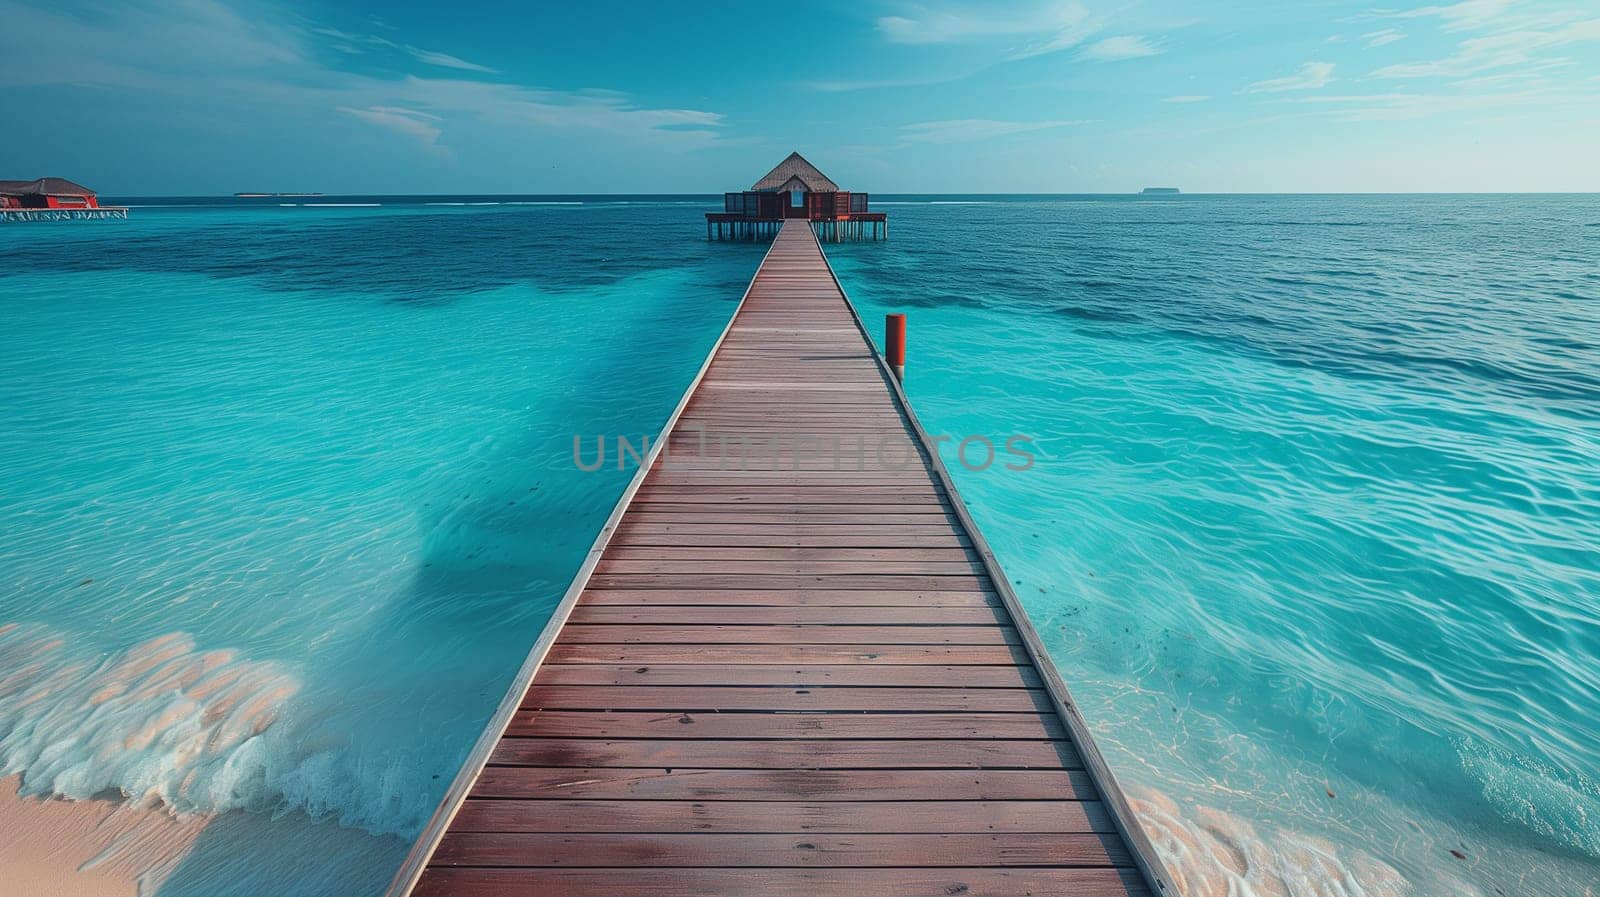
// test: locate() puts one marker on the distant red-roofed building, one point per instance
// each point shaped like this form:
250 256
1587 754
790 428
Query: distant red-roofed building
46 193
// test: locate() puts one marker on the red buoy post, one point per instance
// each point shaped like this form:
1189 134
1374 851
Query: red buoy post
894 344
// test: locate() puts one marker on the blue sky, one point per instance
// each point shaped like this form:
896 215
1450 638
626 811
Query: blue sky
216 96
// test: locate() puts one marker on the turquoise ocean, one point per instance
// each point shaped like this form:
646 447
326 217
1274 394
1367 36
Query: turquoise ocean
287 492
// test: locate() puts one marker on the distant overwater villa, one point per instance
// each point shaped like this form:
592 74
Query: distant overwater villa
795 189
52 199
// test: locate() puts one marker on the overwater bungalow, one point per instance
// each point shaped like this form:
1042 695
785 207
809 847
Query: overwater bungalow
52 199
796 189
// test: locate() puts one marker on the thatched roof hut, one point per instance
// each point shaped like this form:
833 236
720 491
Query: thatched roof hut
795 168
796 189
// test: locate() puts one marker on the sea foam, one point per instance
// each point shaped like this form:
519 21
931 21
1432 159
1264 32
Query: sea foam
160 723
165 724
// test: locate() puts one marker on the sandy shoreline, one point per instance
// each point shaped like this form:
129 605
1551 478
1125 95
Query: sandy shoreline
90 848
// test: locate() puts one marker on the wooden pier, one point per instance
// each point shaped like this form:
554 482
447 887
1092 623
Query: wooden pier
723 226
788 666
859 226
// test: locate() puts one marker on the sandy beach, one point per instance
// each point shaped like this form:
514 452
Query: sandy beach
105 848
91 848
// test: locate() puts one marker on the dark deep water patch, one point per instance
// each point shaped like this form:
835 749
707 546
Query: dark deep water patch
408 253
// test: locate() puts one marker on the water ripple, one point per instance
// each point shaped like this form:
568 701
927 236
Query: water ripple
1317 511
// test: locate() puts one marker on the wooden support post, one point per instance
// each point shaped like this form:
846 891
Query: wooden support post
894 344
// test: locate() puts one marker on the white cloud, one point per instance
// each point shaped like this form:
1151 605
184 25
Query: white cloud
1045 26
1499 68
125 44
360 43
1186 98
1380 38
1013 32
1401 106
901 30
1311 76
1530 74
964 129
1463 15
945 23
203 51
598 111
1111 49
868 84
445 60
1503 49
405 121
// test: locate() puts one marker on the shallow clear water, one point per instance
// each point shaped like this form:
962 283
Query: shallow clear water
1315 529
313 465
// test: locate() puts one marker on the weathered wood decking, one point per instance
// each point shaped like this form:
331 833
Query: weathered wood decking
789 673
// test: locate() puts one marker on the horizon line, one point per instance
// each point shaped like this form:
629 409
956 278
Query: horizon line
321 194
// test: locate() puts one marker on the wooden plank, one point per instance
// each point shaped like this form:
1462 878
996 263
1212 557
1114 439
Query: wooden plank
785 725
672 698
969 753
787 598
717 565
820 488
818 491
984 655
784 464
542 849
752 517
599 783
798 510
1053 881
712 549
684 535
887 530
793 675
713 634
751 614
838 817
683 582
686 474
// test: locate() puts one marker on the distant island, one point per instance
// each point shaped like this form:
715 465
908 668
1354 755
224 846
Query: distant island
259 195
1160 190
